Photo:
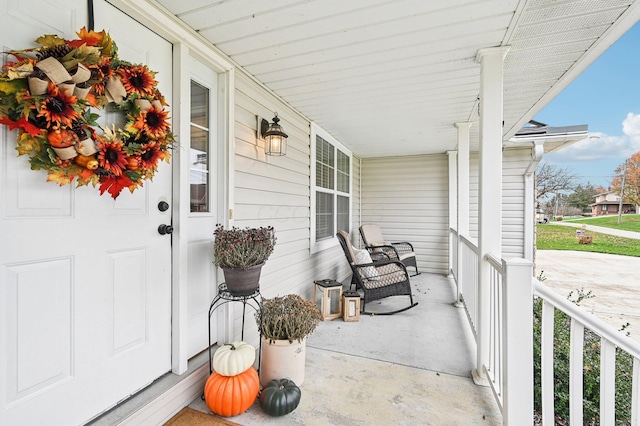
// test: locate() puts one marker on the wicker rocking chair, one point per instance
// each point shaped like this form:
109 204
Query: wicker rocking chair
403 251
379 279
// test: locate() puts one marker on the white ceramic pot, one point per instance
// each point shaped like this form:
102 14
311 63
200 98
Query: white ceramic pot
283 360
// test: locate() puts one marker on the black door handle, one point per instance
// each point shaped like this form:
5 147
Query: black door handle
165 229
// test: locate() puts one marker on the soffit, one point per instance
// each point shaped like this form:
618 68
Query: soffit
393 77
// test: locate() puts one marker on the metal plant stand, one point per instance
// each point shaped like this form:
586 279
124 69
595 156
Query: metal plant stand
223 297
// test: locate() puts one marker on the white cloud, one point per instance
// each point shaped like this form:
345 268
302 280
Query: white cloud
596 146
600 145
631 127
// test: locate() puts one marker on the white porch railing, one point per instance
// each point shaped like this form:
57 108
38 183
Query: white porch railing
509 367
497 309
610 339
453 251
468 282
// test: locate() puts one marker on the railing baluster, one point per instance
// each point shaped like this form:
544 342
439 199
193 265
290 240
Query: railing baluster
635 394
547 367
500 329
474 290
607 382
576 364
495 334
492 337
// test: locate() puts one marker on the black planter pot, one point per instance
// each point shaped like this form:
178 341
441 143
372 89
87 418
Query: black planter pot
243 282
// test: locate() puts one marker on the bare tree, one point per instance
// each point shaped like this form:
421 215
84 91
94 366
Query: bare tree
552 179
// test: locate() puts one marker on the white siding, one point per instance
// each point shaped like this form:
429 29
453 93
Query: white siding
514 163
408 198
276 191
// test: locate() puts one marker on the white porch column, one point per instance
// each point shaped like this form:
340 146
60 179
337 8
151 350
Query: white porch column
463 197
518 342
453 204
490 197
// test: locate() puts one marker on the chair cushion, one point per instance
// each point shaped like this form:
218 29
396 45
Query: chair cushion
350 252
389 274
363 256
372 235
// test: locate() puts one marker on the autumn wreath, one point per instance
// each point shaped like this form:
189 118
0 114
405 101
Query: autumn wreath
48 93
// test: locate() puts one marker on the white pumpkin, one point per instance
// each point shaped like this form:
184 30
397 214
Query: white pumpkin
233 358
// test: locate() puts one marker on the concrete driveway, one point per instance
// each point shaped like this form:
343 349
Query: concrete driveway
614 281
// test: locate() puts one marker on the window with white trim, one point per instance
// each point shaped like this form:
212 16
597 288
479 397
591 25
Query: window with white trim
331 180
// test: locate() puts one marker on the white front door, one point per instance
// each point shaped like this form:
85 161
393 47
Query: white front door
85 281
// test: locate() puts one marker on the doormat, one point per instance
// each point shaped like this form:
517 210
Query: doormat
190 417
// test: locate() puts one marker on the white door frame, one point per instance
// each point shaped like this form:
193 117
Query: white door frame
185 44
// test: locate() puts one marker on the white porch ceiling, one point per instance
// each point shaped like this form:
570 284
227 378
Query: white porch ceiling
393 77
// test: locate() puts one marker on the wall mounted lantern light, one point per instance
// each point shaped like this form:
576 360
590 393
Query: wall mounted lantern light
274 137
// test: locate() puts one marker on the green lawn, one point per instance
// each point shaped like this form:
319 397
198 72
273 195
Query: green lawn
556 237
630 222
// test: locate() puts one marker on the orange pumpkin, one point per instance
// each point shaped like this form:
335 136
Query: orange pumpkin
62 138
231 395
88 162
132 163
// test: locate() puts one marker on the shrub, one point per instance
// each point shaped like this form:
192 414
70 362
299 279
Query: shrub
287 318
242 248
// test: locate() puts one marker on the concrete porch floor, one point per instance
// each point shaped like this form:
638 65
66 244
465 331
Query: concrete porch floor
411 368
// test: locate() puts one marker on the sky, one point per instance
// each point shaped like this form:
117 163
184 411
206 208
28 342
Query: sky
606 97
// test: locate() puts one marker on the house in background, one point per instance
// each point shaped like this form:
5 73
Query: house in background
609 203
400 113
